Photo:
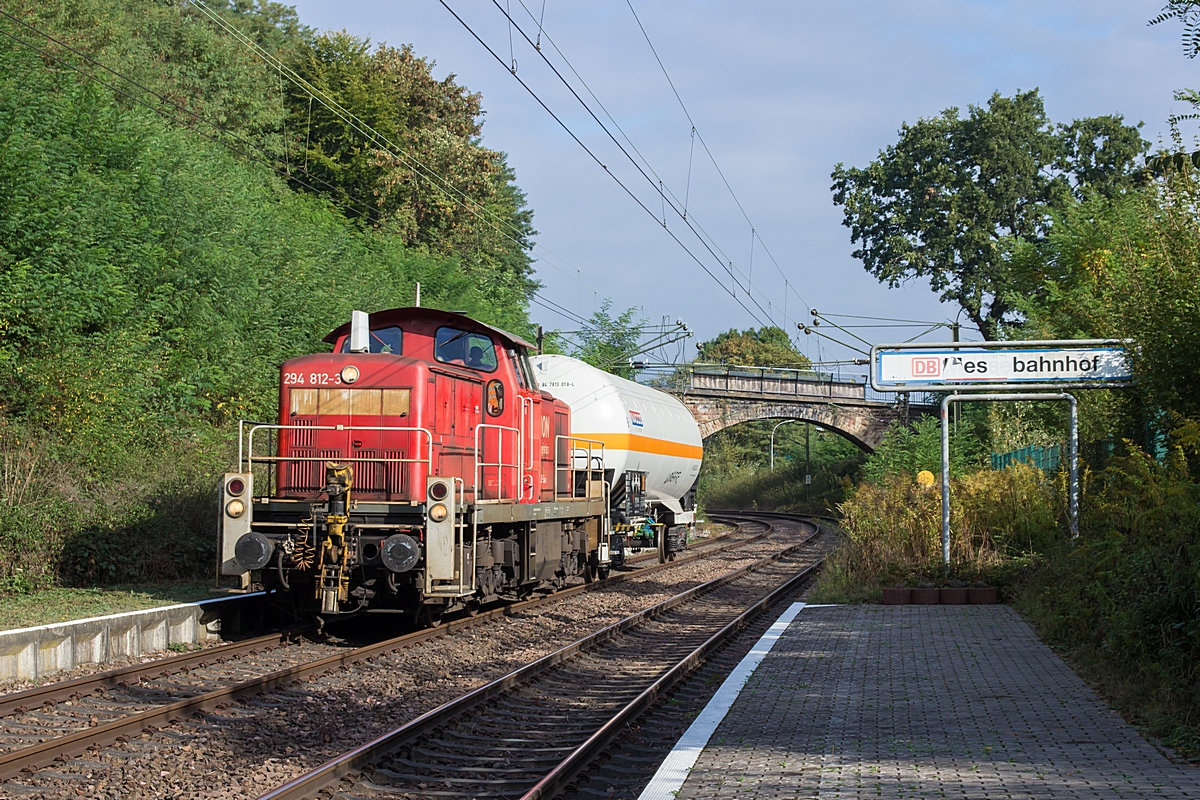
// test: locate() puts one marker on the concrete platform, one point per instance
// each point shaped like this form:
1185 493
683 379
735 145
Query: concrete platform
912 702
30 653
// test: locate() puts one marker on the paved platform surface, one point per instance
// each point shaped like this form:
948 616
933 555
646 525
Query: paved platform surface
933 701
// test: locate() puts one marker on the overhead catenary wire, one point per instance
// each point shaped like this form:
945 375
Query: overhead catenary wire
681 214
704 144
665 190
587 108
588 150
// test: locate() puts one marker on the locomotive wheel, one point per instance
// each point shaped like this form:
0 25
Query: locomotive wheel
671 556
589 572
602 573
472 607
429 616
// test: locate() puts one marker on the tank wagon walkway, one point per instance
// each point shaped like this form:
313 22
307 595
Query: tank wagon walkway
914 702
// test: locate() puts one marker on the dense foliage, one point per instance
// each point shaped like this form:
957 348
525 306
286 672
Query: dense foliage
422 161
956 198
153 279
609 342
764 347
1103 249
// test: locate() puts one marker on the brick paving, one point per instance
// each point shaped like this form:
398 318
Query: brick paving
933 701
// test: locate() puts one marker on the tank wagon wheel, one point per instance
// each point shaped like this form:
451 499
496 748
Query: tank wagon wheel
603 573
472 607
589 572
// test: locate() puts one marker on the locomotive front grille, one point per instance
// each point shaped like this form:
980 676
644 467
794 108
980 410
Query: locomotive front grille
303 476
367 474
394 472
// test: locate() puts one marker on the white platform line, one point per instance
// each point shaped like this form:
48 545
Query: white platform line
674 770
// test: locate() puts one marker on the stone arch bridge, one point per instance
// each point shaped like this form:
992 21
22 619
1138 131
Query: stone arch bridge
719 397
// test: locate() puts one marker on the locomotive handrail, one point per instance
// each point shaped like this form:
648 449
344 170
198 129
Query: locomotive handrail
247 459
588 453
528 412
242 423
500 464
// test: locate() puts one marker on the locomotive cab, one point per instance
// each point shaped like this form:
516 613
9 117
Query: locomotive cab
416 467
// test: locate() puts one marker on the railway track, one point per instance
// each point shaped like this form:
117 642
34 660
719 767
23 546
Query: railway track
538 730
60 721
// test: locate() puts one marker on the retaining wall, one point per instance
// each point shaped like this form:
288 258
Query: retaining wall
28 653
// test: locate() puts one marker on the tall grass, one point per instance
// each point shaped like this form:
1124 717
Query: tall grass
894 528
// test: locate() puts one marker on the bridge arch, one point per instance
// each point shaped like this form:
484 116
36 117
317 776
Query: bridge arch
720 396
863 427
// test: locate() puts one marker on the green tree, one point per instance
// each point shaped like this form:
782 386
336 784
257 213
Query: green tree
608 342
956 198
764 347
151 282
429 180
1187 13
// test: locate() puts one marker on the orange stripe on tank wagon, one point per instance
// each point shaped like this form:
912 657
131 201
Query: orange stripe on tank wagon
644 444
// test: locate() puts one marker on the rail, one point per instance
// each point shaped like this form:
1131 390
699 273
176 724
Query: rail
700 628
76 742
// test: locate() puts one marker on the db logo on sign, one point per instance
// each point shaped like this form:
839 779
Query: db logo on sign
925 367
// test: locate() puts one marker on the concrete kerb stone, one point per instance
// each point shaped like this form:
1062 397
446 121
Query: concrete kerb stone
28 653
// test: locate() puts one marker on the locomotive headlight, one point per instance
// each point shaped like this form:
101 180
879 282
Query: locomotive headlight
350 374
235 508
438 512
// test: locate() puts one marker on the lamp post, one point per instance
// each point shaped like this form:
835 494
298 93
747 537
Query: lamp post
785 422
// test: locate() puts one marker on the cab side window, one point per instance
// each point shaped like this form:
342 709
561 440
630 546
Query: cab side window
383 340
465 348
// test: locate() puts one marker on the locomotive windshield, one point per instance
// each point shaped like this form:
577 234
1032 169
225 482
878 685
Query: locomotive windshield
465 348
383 340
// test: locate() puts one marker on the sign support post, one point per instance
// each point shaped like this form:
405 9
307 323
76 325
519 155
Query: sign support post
1073 454
1037 370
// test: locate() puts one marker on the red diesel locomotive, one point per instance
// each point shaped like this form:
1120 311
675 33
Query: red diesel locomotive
415 468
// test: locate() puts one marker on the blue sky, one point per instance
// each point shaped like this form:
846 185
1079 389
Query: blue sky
780 91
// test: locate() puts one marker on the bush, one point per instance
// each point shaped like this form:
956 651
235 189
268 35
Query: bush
1124 601
894 530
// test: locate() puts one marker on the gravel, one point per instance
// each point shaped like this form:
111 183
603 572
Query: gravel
258 743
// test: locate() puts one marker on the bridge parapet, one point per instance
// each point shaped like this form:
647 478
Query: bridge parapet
768 381
723 395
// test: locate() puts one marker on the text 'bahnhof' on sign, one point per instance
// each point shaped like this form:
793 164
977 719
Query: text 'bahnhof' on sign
931 366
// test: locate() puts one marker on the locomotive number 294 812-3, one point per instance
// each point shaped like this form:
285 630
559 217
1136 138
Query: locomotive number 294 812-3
311 379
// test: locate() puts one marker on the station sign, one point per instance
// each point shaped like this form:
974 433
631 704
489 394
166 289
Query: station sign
991 365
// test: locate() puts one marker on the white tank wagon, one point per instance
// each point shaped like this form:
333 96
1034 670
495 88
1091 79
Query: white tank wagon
652 450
